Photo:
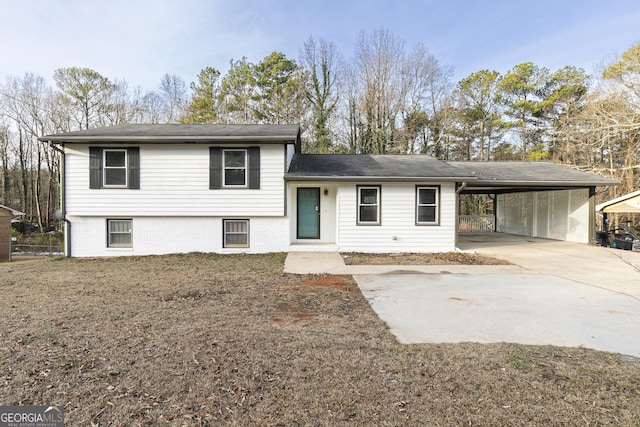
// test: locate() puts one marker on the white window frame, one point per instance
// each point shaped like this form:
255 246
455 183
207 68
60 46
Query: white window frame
245 168
105 167
110 233
436 205
225 233
377 204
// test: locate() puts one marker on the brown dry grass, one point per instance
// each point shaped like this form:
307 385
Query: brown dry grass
206 340
438 258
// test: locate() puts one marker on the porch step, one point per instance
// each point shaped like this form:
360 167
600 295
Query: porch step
313 247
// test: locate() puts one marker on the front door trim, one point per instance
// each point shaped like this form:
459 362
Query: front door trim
298 212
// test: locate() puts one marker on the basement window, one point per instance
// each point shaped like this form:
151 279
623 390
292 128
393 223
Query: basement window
236 233
120 233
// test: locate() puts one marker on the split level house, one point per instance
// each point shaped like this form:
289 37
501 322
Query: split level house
158 189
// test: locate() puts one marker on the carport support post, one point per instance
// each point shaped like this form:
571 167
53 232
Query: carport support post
592 214
495 212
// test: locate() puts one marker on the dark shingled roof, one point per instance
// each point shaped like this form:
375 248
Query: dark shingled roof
527 174
175 133
369 166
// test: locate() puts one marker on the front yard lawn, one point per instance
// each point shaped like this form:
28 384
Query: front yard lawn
203 339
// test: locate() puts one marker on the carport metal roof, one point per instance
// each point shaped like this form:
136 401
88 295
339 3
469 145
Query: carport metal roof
519 176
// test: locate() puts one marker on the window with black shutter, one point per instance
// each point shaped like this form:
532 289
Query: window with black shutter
114 167
234 168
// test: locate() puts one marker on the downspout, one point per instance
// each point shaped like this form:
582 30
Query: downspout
63 210
463 184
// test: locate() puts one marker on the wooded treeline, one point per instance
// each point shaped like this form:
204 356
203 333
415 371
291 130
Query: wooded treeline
386 98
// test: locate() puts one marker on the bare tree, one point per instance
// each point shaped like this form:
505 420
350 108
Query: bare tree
392 96
320 59
5 165
379 61
86 91
173 91
609 142
626 72
28 102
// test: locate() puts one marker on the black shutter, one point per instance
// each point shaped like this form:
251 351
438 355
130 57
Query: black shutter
215 168
254 167
95 167
133 168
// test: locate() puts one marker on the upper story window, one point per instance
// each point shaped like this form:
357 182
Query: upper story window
235 168
369 205
427 205
114 167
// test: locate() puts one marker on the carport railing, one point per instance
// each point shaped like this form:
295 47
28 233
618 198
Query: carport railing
475 223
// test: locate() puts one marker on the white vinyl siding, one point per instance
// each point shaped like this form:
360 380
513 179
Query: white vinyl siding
398 231
174 181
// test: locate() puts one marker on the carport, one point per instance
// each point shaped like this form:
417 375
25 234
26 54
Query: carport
537 199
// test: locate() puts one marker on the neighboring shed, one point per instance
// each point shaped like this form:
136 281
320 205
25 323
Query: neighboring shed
629 203
6 214
625 210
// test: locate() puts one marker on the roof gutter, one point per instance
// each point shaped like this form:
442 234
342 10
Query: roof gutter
372 178
204 139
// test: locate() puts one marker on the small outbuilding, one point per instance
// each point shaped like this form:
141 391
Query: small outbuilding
625 210
6 215
629 203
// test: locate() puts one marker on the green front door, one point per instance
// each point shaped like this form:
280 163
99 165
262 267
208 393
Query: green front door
309 213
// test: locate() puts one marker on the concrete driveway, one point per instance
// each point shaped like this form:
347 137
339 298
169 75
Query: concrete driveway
556 293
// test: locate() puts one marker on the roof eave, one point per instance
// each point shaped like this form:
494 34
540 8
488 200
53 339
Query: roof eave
289 177
204 139
495 183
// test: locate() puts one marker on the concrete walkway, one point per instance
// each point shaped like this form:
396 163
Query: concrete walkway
333 263
556 293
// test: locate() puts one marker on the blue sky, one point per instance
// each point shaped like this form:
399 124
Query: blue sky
140 40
